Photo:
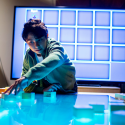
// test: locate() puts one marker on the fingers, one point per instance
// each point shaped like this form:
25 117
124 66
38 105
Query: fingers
55 87
58 86
9 88
17 89
12 89
17 86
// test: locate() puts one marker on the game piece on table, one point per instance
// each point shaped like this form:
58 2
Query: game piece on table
28 96
98 108
8 97
116 106
49 97
114 100
123 97
2 95
83 112
118 117
2 90
118 95
49 94
6 88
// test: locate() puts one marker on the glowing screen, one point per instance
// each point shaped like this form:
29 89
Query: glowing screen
93 38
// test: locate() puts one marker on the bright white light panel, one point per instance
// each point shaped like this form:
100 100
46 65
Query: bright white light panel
93 39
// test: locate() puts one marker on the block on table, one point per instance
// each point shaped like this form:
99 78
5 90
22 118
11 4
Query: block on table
98 108
118 117
28 96
114 100
8 97
117 106
3 95
123 97
49 94
2 90
119 95
83 112
6 88
49 97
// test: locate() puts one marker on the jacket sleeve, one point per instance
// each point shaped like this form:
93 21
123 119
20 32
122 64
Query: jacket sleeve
55 58
25 66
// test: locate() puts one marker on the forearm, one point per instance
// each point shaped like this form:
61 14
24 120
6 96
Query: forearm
43 68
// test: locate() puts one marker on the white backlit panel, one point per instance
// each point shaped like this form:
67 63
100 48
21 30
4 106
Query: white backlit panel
84 35
118 53
102 36
51 17
83 70
102 53
94 39
102 18
68 17
85 18
118 36
84 52
67 35
118 71
118 19
70 49
53 32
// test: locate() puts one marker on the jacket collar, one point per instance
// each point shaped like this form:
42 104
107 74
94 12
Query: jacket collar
31 53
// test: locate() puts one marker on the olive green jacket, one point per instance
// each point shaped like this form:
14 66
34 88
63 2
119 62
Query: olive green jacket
56 67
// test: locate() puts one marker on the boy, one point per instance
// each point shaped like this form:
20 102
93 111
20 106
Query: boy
45 61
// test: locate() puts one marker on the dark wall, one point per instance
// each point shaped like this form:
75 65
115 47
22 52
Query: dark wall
92 3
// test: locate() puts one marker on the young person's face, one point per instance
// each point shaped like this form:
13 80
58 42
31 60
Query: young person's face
37 45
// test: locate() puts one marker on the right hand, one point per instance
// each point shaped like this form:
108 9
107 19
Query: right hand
18 85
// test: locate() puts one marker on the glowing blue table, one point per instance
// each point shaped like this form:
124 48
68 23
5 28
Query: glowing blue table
60 111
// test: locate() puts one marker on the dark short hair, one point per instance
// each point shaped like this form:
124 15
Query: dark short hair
36 27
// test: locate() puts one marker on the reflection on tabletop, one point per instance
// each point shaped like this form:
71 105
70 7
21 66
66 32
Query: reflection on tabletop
71 109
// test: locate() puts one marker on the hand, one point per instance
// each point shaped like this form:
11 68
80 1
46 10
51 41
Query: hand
18 85
52 88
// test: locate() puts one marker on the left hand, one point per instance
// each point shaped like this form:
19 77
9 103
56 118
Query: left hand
52 88
18 85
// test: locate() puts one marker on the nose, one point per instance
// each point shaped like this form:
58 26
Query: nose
36 44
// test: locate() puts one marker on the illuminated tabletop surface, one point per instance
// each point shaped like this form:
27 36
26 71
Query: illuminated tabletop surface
56 112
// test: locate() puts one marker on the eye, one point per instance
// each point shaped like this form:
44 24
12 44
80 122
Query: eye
30 42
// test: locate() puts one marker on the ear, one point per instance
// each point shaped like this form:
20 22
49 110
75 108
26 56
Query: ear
47 35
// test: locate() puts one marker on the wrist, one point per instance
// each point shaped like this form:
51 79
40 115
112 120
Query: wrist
24 82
